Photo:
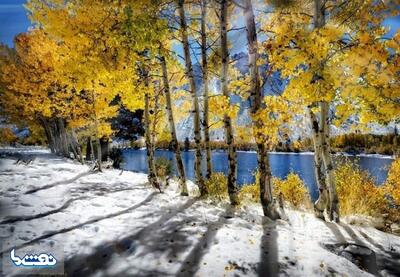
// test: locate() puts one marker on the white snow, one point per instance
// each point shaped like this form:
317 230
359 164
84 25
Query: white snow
113 224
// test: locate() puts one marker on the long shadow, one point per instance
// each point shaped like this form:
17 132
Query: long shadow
31 217
336 232
65 182
191 264
372 264
99 189
98 192
156 237
353 235
371 241
389 260
68 229
268 265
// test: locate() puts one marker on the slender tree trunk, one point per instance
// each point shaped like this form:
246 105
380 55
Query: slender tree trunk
72 146
196 110
153 123
206 126
98 150
63 138
149 146
333 206
324 133
105 152
77 145
92 153
232 161
265 178
96 132
321 204
48 133
175 144
149 136
89 150
56 136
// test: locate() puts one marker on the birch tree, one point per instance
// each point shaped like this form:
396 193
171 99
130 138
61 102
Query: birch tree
204 58
256 100
193 91
174 139
317 55
229 140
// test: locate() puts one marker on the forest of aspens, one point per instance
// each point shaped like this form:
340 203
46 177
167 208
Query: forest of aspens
202 138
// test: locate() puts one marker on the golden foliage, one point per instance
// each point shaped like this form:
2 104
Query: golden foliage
7 136
250 193
217 186
292 189
357 192
392 185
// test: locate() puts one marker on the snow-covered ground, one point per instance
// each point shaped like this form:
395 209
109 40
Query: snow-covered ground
113 224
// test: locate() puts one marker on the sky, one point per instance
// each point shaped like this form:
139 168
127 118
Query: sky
14 20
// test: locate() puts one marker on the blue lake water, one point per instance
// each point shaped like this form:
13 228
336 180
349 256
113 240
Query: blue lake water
281 165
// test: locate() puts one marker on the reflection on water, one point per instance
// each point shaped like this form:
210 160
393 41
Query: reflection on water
281 165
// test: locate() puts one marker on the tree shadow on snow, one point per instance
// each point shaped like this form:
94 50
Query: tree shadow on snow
64 182
269 265
389 261
80 225
191 264
164 236
340 238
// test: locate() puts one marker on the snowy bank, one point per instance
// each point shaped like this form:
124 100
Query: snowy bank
113 224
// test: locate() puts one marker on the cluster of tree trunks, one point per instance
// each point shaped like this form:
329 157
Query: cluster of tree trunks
61 141
64 142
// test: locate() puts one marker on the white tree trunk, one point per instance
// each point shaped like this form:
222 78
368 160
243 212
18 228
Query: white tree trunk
232 160
265 177
152 177
322 143
205 87
193 91
177 151
321 204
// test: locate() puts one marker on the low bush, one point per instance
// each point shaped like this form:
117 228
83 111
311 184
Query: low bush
392 191
250 193
357 191
217 186
163 167
292 189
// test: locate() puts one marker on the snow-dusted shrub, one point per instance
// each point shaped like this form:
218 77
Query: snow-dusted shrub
392 190
217 186
163 167
392 184
292 189
357 191
250 193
